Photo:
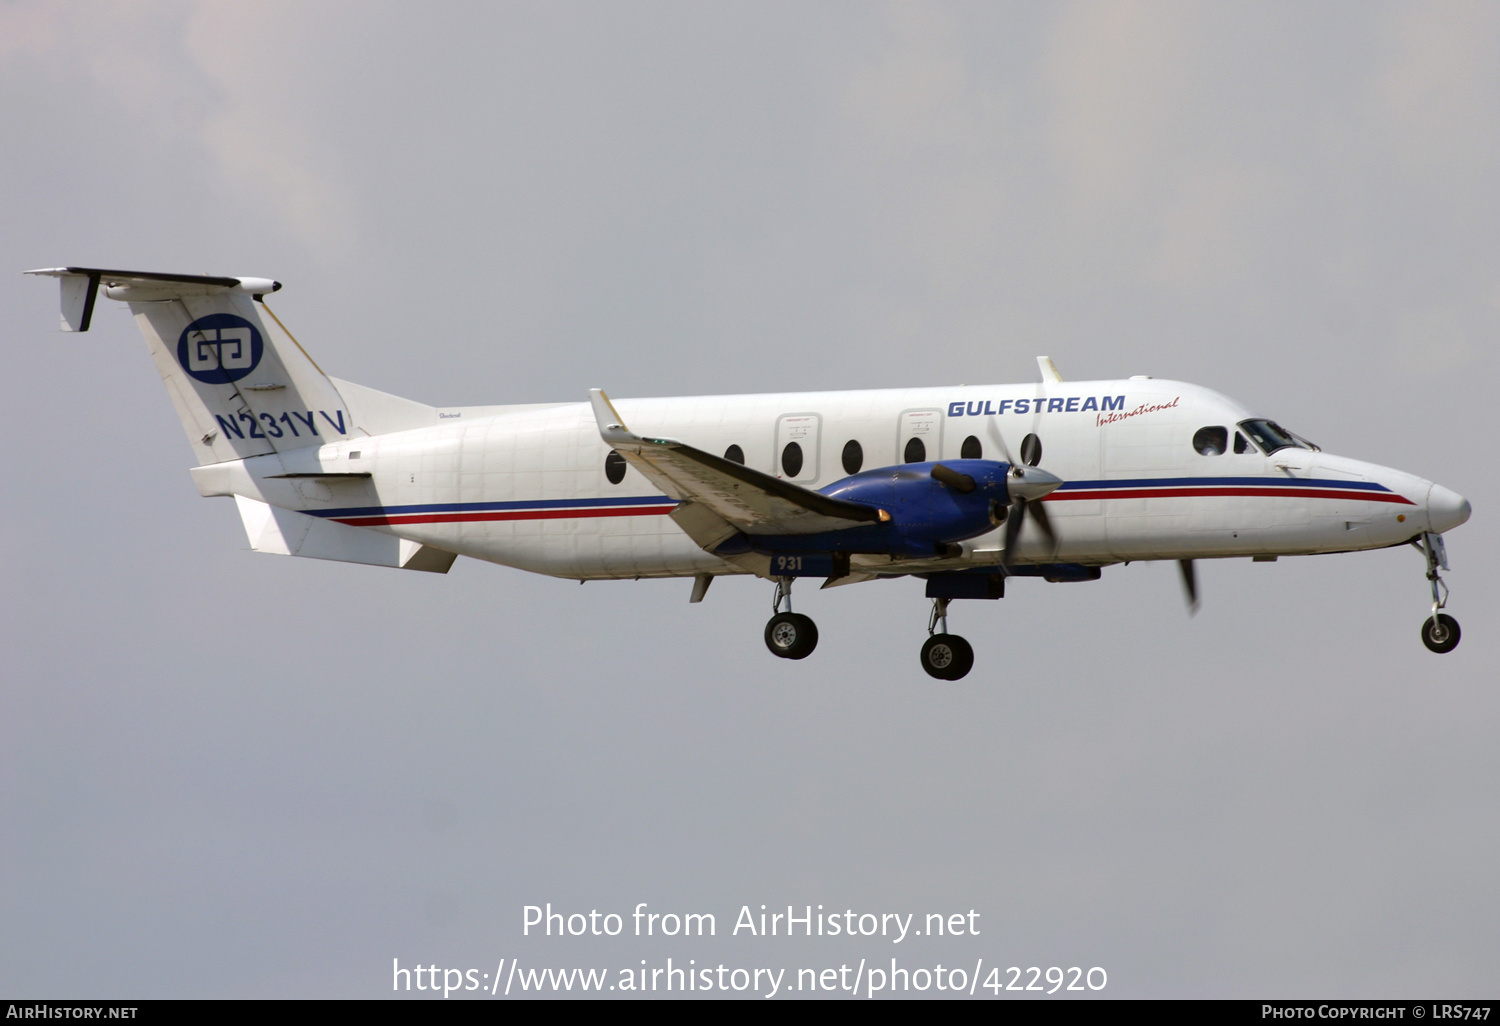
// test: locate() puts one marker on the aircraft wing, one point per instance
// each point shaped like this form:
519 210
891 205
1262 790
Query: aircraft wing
719 494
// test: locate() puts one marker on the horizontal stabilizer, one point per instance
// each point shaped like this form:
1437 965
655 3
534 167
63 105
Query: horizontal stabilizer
289 533
80 288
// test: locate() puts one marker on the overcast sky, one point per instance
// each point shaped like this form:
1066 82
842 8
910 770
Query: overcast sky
226 773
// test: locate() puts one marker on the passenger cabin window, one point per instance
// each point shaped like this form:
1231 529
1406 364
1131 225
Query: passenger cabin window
791 459
854 457
1242 444
1031 450
614 467
1271 436
734 454
972 449
1211 441
915 452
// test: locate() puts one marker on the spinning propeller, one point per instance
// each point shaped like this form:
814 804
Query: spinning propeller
1027 485
1189 584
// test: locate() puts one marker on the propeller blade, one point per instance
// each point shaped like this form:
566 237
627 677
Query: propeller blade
1043 521
1031 450
1000 441
1031 445
947 476
1189 584
1013 522
1025 484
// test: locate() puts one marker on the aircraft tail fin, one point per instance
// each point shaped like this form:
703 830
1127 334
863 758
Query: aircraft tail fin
242 385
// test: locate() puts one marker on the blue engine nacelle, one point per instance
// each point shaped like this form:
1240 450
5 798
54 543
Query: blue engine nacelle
928 514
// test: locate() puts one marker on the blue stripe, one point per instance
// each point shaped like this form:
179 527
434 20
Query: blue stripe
1189 482
480 507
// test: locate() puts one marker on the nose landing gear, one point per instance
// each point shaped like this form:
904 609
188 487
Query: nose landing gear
945 656
789 635
1440 633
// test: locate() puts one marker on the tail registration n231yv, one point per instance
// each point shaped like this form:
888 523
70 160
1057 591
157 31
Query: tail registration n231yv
962 487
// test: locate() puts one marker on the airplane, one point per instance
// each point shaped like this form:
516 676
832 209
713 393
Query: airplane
846 486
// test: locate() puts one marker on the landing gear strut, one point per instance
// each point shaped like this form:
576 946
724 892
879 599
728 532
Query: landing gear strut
789 635
945 656
1440 633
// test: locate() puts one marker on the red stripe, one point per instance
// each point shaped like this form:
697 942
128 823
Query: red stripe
509 514
1198 490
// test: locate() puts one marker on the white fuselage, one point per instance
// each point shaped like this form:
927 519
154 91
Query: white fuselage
528 487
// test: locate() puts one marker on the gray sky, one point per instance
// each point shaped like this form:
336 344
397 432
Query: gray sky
224 773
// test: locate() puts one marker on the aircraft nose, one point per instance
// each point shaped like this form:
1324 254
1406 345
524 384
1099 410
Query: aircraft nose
1446 509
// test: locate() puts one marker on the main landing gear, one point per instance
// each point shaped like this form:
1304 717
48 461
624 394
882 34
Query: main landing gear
789 635
945 656
1440 633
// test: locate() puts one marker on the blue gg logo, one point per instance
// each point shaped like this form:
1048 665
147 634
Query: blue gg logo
220 348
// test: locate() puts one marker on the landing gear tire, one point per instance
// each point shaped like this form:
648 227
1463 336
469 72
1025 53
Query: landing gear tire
1441 633
947 657
791 635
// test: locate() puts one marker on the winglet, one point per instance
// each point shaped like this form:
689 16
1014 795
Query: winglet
611 425
1049 370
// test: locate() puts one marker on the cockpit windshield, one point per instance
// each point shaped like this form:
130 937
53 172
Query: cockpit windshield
1271 436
